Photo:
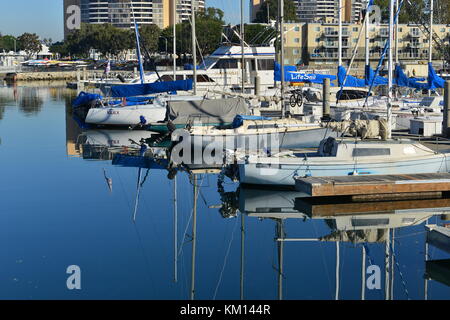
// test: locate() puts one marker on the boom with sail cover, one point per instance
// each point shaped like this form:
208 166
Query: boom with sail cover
434 81
150 88
345 80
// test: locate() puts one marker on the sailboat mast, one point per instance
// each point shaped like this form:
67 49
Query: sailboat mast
396 33
337 271
175 230
363 273
242 48
174 15
366 30
387 267
281 235
194 46
430 44
138 46
194 238
390 65
340 32
242 254
281 13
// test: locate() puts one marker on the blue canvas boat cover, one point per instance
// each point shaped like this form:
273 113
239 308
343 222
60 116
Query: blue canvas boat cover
351 81
84 98
402 80
239 119
150 88
370 77
292 75
434 81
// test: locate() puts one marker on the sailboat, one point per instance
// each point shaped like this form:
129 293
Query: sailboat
348 156
131 105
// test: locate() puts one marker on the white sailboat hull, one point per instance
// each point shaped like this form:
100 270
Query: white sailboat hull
125 116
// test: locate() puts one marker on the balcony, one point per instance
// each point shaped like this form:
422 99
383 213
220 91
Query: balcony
335 33
330 44
414 45
414 34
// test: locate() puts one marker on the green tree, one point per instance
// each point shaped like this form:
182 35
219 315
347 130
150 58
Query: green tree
60 48
7 43
208 28
150 34
255 34
105 38
271 6
29 42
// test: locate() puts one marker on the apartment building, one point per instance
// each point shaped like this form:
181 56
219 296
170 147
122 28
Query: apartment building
122 13
317 43
318 10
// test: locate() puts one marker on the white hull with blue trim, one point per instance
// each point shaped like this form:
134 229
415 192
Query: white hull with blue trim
345 157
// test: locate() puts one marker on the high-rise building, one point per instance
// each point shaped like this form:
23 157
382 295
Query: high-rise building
318 10
122 13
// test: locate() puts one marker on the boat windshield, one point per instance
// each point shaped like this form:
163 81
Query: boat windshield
208 63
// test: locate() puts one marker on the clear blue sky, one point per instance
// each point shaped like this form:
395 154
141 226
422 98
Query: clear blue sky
45 17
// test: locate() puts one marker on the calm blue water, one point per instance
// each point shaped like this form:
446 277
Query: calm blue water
57 210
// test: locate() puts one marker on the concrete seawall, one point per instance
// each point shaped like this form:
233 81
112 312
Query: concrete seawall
60 75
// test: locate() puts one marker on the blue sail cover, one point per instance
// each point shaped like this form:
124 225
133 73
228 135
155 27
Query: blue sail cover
402 80
292 75
84 98
434 81
134 90
351 81
370 77
239 119
125 160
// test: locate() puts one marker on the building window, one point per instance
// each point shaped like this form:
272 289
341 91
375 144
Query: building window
297 29
297 40
296 51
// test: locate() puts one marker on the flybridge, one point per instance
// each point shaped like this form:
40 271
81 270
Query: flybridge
235 51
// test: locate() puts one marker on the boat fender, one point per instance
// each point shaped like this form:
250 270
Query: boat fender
142 120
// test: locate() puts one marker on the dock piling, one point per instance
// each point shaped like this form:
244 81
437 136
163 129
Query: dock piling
446 122
257 86
326 98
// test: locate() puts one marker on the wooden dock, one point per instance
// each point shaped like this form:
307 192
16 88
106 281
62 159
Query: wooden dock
326 207
374 186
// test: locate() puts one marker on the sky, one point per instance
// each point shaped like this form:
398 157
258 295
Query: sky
45 17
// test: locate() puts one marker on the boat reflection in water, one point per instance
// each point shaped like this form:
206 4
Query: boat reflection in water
364 227
359 223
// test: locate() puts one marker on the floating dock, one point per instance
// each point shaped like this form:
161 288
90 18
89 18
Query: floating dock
374 186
